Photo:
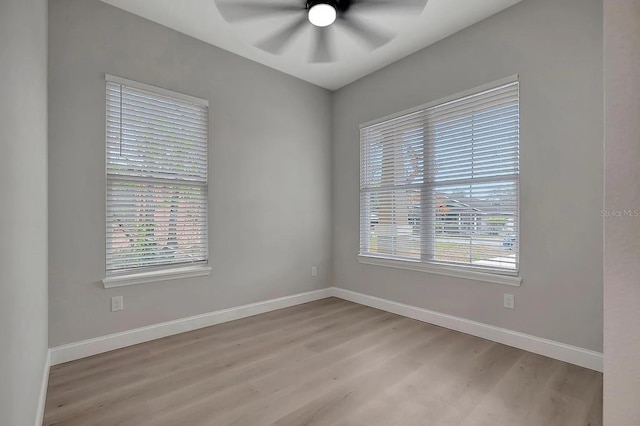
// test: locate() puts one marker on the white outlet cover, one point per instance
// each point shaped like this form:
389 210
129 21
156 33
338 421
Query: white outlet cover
509 301
117 303
314 271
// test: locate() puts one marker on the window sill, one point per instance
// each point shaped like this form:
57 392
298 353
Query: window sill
511 280
157 275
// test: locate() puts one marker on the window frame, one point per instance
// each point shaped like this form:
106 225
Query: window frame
505 277
147 274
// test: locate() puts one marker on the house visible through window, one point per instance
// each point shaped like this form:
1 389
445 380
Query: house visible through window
156 164
440 184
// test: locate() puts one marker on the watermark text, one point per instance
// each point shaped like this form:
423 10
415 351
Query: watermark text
621 213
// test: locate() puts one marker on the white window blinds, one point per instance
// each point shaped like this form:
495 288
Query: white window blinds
156 177
440 184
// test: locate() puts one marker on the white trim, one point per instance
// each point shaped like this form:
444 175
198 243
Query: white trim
552 349
43 389
459 95
155 89
471 274
123 339
156 275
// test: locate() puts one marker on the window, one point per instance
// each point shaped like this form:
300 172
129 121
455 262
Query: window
439 184
156 163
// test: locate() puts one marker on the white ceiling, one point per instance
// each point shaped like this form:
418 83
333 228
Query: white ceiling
201 19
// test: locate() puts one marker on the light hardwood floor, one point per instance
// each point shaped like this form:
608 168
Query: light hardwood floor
329 362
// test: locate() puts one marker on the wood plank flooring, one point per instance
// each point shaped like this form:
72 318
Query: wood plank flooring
329 362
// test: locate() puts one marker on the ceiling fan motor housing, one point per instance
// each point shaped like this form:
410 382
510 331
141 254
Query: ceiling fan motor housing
338 5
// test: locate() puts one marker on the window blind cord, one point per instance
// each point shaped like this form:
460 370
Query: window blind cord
120 120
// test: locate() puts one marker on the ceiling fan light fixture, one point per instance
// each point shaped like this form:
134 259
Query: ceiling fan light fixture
322 13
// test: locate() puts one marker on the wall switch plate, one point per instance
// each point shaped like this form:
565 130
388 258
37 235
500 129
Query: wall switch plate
117 303
509 301
314 271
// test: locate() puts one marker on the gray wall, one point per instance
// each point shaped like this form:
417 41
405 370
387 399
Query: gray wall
556 48
270 187
622 192
23 208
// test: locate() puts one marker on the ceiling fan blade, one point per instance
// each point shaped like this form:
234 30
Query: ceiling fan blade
276 42
392 6
366 33
241 11
322 51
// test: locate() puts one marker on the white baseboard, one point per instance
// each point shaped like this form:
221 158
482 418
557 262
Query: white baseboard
43 389
561 351
552 349
110 342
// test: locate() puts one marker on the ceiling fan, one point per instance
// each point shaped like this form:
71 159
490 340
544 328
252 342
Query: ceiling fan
322 16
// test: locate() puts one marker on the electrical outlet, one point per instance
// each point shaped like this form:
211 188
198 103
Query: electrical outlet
314 271
117 303
509 301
